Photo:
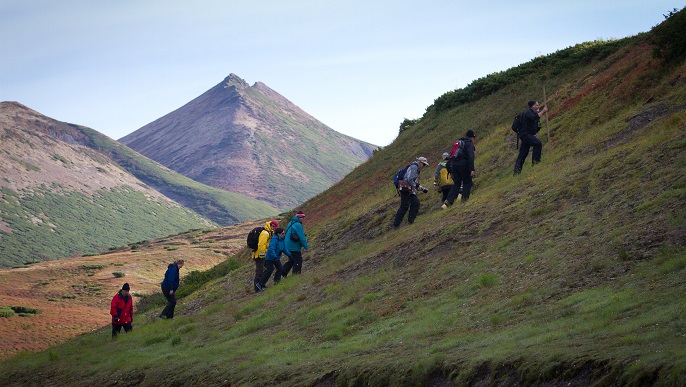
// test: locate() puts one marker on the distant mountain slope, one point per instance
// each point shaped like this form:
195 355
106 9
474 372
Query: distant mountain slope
215 204
253 141
60 199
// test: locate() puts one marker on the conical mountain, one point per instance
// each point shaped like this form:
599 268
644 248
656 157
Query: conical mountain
250 140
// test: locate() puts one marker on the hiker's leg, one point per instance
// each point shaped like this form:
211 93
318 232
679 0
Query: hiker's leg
455 190
168 310
404 205
116 329
445 192
128 327
259 269
523 153
536 154
278 273
297 261
467 183
288 265
267 273
414 208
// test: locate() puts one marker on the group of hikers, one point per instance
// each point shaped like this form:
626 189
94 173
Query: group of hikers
455 172
452 178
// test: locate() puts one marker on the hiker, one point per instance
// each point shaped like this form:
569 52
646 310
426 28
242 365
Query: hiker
273 258
296 240
169 286
407 189
262 246
530 126
121 309
462 170
442 180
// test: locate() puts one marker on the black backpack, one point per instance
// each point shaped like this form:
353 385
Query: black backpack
517 123
254 237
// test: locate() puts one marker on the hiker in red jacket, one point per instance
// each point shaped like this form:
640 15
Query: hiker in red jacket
121 310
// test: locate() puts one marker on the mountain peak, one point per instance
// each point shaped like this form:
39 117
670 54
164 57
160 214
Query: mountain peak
235 80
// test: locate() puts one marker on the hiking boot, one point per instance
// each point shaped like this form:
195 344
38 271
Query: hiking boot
259 288
444 206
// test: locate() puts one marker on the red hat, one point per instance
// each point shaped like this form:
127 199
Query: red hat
274 224
300 214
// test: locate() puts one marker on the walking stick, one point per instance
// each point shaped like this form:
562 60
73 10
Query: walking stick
545 103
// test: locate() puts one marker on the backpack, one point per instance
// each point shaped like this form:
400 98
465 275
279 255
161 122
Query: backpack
254 237
517 123
444 177
400 175
458 149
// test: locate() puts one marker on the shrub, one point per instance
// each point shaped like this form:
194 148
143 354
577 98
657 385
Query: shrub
118 274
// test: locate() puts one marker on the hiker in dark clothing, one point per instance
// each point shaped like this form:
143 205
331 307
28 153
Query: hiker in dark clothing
121 309
273 258
408 192
527 134
169 286
462 171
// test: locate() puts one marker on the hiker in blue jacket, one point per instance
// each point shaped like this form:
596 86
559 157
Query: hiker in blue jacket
273 259
169 286
296 240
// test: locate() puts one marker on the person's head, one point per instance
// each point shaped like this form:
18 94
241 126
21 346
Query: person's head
470 134
125 289
446 155
421 161
280 232
300 215
534 105
274 224
179 263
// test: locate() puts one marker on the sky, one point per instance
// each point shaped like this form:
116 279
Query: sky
359 66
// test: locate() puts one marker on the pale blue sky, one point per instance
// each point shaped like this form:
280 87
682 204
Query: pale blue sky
359 66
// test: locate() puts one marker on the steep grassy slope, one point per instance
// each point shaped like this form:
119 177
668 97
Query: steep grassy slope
568 274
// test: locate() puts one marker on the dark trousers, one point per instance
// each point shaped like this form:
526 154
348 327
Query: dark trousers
116 328
168 310
407 201
462 177
528 141
444 191
259 270
295 261
268 273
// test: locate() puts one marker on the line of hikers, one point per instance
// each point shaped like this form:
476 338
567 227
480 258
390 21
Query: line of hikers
454 174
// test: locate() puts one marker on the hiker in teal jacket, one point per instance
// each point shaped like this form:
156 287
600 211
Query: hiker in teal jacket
296 240
273 259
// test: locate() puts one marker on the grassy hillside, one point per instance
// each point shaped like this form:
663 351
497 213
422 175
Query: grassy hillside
568 274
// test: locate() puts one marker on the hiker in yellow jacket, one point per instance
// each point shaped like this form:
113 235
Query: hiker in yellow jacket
261 252
442 180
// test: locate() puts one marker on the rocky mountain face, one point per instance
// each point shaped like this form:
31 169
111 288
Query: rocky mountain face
59 198
252 141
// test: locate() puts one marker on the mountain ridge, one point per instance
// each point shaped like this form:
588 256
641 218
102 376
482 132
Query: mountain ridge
250 140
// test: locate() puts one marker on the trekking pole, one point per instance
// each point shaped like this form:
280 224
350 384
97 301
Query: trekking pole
547 127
